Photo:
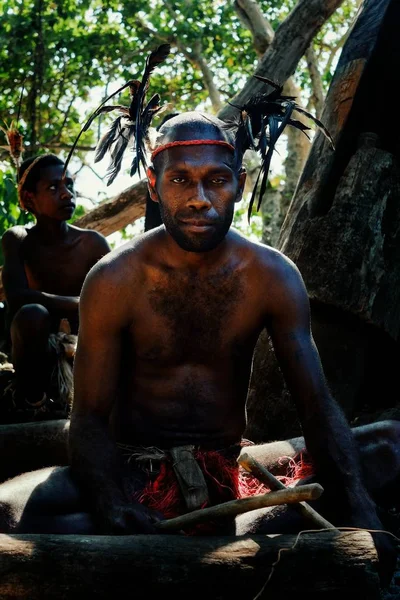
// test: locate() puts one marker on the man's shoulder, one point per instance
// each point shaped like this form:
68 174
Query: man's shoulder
14 235
89 234
123 262
264 257
275 276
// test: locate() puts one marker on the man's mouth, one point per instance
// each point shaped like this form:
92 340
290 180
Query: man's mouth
198 224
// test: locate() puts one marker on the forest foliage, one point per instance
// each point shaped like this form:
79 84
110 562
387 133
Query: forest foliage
65 56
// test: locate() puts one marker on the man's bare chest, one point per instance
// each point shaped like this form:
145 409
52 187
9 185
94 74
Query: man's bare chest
56 270
189 319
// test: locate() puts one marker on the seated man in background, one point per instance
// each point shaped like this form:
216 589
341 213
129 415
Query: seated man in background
168 327
44 269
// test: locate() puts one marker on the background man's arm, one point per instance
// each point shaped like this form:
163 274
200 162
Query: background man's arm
94 457
15 283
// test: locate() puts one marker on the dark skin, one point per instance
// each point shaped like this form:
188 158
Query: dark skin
174 326
44 270
190 322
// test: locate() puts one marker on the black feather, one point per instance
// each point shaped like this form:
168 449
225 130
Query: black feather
153 60
132 124
90 120
266 116
318 123
133 165
117 153
107 140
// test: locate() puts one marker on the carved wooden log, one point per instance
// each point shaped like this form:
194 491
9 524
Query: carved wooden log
342 230
321 565
343 225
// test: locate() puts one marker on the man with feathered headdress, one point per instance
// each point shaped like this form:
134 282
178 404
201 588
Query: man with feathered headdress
169 323
44 269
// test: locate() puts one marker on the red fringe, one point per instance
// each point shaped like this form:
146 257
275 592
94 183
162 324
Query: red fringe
225 480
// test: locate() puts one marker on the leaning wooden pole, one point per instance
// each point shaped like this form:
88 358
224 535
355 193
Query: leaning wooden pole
321 565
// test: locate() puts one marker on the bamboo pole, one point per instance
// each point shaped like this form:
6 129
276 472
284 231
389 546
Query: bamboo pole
232 508
264 476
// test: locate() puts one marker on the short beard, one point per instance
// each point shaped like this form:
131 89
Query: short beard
197 243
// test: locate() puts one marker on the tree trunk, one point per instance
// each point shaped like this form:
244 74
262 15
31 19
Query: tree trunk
346 213
323 565
342 230
117 213
291 40
298 147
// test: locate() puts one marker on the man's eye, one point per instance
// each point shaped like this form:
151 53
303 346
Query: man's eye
52 187
178 180
218 180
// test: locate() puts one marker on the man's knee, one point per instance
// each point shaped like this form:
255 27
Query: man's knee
31 318
46 491
31 321
44 501
379 445
387 431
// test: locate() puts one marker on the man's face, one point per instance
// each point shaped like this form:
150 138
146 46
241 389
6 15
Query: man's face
196 189
54 197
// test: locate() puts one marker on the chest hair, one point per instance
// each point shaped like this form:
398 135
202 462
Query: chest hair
197 308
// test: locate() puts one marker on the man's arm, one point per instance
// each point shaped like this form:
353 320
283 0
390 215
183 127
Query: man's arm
326 431
15 283
327 434
94 458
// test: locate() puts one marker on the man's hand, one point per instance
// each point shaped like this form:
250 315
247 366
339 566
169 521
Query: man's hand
126 519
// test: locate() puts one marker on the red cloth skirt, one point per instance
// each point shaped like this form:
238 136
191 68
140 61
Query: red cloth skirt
226 480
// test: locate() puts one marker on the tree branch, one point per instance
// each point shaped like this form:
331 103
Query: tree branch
208 78
291 39
317 92
253 19
335 50
195 58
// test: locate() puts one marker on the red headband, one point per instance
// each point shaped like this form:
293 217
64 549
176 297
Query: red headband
191 143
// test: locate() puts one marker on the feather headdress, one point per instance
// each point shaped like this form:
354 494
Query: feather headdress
14 137
16 149
261 122
132 124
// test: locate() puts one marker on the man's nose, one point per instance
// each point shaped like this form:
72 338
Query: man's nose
199 199
66 192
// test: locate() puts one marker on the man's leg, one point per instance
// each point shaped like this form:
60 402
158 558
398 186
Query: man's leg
30 330
379 447
378 444
44 501
30 446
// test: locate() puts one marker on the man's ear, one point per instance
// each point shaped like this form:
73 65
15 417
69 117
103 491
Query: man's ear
241 181
27 200
151 184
